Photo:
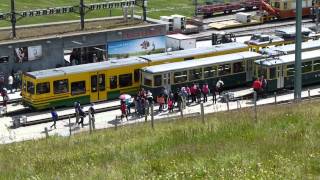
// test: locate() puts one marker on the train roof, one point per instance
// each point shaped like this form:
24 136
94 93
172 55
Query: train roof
291 48
286 59
92 67
202 62
194 51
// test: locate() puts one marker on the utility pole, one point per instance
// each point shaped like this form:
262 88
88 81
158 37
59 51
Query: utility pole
82 14
297 74
195 8
143 4
13 19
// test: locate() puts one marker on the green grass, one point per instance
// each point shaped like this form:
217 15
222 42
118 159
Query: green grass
284 144
157 8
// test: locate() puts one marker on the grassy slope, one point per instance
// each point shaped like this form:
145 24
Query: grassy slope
157 8
283 145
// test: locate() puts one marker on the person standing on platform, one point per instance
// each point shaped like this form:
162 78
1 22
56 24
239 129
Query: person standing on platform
5 98
92 111
220 86
257 85
214 94
82 116
123 109
10 83
54 116
205 92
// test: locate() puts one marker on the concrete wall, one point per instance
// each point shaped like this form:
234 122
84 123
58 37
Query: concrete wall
53 46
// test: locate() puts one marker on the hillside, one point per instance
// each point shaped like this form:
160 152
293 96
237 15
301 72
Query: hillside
283 144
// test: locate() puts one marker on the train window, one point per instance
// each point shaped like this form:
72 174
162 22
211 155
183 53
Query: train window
316 65
273 73
125 80
224 69
157 80
136 75
78 87
102 82
180 77
238 67
290 70
195 74
306 67
147 81
43 88
94 82
262 71
60 86
209 72
113 82
30 87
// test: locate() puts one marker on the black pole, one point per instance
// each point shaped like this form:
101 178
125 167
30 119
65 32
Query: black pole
82 13
144 9
195 7
297 74
13 19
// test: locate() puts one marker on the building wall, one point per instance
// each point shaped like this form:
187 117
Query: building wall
53 47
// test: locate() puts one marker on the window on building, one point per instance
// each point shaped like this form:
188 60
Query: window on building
60 86
238 67
306 67
273 73
157 80
209 72
78 87
43 88
316 65
113 82
195 74
224 69
102 82
136 75
30 87
180 77
125 80
94 83
290 70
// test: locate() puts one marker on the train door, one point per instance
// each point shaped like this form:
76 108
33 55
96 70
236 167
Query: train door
249 70
280 76
166 81
98 87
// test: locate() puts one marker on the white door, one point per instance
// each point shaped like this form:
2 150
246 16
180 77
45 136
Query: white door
280 77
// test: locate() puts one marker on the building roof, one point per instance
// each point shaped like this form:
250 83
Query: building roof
289 59
290 48
194 52
92 67
202 62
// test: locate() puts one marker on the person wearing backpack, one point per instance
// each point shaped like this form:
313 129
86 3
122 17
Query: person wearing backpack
55 117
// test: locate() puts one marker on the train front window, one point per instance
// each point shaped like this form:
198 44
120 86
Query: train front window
43 88
113 82
102 82
306 67
238 67
316 65
147 80
290 70
125 80
157 80
78 87
195 74
180 77
60 86
273 73
30 87
224 69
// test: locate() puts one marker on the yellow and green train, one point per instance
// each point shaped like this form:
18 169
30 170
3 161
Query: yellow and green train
103 80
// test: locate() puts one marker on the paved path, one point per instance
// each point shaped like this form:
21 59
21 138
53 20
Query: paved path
106 120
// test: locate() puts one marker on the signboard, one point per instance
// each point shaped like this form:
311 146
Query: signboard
136 47
30 53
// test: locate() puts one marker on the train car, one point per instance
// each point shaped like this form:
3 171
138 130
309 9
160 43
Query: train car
260 41
290 48
234 69
279 71
196 53
41 88
84 83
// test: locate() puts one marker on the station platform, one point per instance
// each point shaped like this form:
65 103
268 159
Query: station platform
107 119
15 95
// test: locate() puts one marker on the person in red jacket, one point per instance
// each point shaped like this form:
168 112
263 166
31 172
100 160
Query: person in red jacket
123 110
257 85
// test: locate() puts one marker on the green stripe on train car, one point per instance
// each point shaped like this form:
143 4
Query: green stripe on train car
70 101
113 94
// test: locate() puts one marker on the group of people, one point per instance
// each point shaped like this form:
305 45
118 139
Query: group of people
79 114
260 86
